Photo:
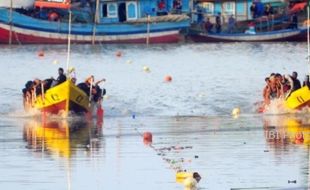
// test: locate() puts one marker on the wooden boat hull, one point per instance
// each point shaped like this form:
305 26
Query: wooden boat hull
298 99
28 30
62 99
275 36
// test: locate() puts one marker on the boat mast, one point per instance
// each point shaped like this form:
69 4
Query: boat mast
96 20
308 36
148 30
10 22
69 41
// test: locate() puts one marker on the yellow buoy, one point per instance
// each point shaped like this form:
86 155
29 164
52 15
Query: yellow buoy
181 176
146 69
55 62
235 112
190 183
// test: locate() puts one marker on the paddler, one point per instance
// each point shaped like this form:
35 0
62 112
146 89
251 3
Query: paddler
273 91
265 91
61 76
296 82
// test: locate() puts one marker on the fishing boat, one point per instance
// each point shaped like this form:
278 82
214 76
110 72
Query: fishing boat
112 22
299 99
272 36
61 99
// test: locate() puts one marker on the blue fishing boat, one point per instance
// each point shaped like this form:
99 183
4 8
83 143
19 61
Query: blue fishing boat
295 35
104 22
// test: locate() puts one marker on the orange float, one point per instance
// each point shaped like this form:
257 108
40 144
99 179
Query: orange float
168 78
147 137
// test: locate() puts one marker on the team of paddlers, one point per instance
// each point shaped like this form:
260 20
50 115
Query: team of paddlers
281 86
37 87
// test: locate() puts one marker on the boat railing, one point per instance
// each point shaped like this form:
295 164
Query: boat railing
262 24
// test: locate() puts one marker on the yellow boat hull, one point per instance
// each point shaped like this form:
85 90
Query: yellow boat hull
298 99
63 98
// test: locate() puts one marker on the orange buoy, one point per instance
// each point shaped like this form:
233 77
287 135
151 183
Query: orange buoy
147 137
53 16
168 78
299 138
41 53
118 54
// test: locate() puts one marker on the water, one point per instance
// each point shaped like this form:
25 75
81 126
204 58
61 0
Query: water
189 118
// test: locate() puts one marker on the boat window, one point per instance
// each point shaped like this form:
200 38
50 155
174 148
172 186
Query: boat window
229 7
104 9
112 10
208 7
131 10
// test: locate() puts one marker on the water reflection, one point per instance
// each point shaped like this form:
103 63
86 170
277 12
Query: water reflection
285 130
62 137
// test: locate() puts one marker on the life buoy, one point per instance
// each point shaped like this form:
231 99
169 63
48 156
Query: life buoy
53 16
299 138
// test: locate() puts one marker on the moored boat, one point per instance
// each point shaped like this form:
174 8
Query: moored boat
272 36
116 22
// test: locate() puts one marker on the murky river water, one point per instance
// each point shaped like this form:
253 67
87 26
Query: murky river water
189 118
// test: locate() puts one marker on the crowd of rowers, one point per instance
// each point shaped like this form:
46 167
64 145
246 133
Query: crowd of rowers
37 87
278 86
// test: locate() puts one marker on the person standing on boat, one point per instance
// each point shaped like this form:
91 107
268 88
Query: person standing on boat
161 8
218 23
306 81
253 10
268 9
231 24
208 25
177 6
294 24
296 82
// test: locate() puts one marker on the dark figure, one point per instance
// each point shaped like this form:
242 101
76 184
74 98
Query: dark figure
231 24
253 10
218 23
83 86
208 25
296 82
268 9
177 6
294 24
199 15
47 84
61 77
161 8
306 81
28 87
98 93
